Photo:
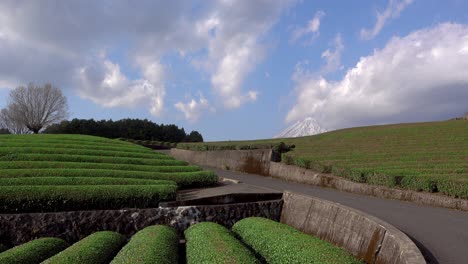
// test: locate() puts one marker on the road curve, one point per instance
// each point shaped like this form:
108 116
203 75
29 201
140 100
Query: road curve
441 234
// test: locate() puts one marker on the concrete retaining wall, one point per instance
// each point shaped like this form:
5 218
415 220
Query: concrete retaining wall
16 229
366 237
248 161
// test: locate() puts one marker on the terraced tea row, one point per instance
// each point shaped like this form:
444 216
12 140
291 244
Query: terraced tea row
50 181
6 165
183 179
253 240
88 158
70 151
51 198
213 243
41 173
430 157
280 243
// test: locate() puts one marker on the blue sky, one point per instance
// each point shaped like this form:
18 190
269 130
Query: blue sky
243 69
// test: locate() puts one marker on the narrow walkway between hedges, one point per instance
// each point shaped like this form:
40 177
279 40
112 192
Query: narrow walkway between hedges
441 234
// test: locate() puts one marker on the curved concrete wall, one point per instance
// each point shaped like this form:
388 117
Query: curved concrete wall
366 237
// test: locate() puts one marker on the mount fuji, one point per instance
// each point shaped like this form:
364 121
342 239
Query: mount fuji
306 127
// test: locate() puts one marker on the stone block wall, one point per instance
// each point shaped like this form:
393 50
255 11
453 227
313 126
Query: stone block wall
72 226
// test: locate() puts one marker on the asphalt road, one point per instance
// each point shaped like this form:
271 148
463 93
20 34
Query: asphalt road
441 234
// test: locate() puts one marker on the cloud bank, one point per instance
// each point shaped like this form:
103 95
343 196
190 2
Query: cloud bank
421 76
72 44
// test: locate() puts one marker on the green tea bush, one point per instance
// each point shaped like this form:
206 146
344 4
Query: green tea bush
183 179
80 181
80 145
91 165
280 243
33 252
212 243
89 158
46 198
153 245
97 248
68 151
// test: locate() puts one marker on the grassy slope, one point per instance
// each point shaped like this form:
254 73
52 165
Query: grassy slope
421 156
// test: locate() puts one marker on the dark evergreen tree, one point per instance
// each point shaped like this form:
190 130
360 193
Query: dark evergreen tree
125 128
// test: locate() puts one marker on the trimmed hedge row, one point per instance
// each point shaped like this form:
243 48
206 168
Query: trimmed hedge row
183 179
33 252
223 146
61 138
280 243
68 151
80 181
212 243
91 165
451 185
155 244
89 159
46 198
88 146
97 248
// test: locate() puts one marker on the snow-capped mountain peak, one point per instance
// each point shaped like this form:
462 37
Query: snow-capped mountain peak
306 127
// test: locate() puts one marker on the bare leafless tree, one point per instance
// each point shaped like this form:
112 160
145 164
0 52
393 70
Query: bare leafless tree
8 122
36 107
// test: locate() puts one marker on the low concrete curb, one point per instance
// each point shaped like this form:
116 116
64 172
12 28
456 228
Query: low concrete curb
366 237
301 175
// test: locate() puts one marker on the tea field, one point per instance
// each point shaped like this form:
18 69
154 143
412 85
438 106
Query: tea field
74 172
431 157
252 240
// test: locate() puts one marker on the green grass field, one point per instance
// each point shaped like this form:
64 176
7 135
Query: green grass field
431 157
76 172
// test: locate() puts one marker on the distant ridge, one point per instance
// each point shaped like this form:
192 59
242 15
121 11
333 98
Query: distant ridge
306 127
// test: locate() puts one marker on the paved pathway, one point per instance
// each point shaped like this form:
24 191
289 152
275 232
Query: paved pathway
441 234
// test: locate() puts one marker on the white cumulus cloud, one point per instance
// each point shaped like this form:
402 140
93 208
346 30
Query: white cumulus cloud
421 76
393 10
44 41
193 109
235 30
103 83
